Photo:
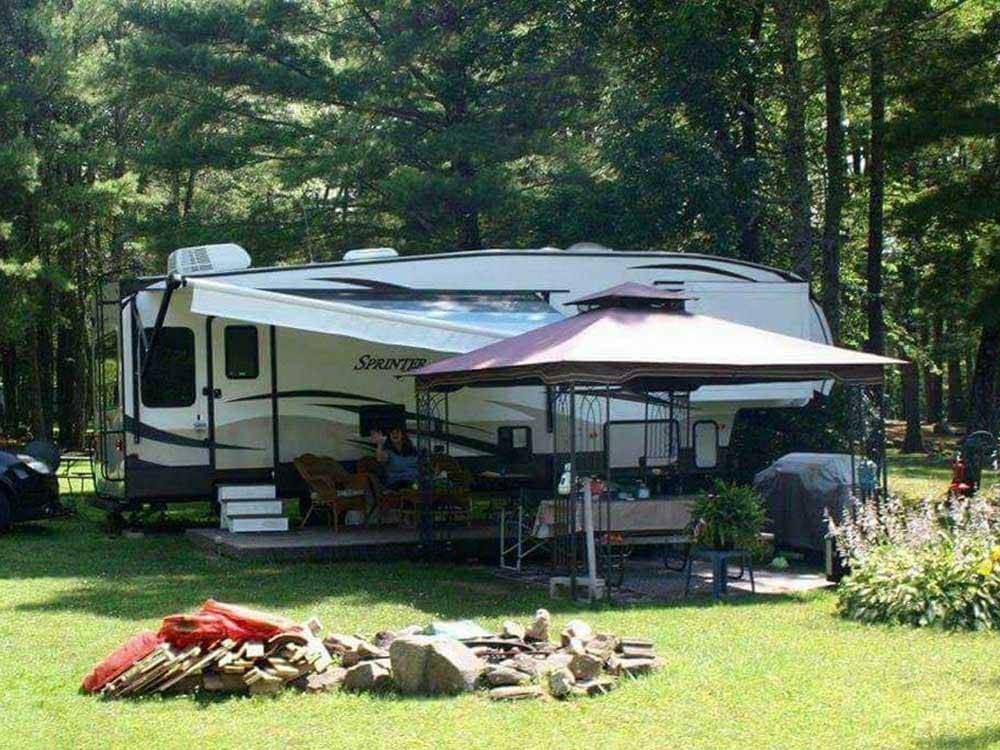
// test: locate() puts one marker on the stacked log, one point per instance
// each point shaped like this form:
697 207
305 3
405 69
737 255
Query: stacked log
254 667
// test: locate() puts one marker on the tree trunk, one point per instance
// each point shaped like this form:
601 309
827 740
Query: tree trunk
750 209
11 403
71 375
956 390
36 414
188 193
796 165
913 441
983 388
836 171
933 384
470 237
46 366
876 201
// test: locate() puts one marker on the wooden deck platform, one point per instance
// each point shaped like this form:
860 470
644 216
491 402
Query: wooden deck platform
387 543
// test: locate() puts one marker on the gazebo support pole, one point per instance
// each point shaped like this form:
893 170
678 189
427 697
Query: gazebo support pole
424 446
605 501
588 530
572 491
851 427
883 465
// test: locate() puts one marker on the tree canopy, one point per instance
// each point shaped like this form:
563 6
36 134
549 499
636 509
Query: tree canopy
855 142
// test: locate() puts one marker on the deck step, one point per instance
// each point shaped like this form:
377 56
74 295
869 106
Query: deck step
243 524
246 492
250 507
234 508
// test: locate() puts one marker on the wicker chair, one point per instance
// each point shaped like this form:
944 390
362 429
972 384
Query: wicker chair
332 488
451 503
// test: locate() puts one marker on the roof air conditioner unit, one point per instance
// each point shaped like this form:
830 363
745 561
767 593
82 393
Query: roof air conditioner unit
371 253
208 258
588 247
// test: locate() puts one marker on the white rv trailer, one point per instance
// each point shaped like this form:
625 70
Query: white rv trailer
222 373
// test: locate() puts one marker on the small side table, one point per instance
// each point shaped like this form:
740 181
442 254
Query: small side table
720 572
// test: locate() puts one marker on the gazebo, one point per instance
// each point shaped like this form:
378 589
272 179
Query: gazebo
635 342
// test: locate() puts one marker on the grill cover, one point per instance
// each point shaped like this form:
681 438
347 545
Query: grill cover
797 489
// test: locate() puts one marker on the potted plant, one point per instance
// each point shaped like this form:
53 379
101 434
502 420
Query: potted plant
730 517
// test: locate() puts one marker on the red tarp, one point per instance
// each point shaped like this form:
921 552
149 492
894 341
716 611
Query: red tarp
217 620
212 622
135 648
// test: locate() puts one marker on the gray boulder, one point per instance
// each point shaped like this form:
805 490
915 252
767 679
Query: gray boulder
370 651
539 628
585 666
556 661
516 692
338 643
522 663
432 665
451 668
408 655
368 676
561 682
496 675
577 629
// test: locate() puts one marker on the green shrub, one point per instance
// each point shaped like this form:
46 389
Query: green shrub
731 516
924 564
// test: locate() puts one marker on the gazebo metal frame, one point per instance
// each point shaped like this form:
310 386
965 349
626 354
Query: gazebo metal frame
580 358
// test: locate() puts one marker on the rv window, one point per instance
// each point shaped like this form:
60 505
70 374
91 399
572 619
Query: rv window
169 379
706 445
107 363
242 354
514 441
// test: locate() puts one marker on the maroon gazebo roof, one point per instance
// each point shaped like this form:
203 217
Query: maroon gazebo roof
655 347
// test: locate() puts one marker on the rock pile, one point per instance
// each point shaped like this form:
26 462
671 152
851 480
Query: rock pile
519 662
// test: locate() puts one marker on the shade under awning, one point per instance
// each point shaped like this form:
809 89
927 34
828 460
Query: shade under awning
655 348
444 327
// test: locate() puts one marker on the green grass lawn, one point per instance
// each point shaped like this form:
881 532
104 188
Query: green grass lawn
776 672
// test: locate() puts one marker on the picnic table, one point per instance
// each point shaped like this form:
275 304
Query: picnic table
75 470
659 520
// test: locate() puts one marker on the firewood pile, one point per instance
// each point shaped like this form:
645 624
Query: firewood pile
519 662
255 667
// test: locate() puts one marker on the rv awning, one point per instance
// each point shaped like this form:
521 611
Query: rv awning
436 325
653 348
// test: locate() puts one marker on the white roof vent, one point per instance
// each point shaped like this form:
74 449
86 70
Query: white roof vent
371 253
208 258
588 247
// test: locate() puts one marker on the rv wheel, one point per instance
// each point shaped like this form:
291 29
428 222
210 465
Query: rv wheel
114 522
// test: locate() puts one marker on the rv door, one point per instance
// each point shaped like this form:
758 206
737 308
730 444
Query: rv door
240 397
107 393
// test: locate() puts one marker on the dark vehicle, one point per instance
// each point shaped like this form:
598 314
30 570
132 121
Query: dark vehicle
29 487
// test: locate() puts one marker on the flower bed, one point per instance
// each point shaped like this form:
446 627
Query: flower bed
930 563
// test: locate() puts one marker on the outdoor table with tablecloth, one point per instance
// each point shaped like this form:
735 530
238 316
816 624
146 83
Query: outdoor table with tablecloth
632 517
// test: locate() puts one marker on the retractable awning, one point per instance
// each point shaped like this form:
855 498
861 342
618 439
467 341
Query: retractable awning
445 325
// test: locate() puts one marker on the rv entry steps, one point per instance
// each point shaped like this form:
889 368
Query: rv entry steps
250 507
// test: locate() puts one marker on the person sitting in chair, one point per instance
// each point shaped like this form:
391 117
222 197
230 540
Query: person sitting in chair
397 454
